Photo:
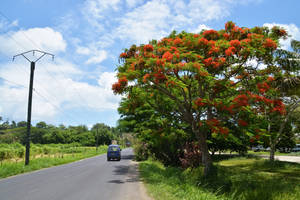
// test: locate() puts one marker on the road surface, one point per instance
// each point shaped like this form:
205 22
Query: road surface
89 179
295 159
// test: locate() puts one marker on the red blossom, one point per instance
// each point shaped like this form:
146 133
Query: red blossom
263 87
202 41
208 61
160 62
241 100
230 51
269 43
226 36
199 102
213 50
197 66
213 122
148 47
224 130
242 123
177 41
270 79
116 87
235 43
123 55
168 56
211 34
229 26
146 76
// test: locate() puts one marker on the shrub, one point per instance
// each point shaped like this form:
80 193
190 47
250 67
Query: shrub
192 155
141 151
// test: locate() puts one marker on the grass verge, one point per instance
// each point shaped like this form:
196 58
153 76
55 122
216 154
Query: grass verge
12 168
234 178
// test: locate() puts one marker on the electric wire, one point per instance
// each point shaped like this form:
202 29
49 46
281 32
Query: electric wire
37 46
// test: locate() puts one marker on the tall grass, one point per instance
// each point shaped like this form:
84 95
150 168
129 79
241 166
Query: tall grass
44 156
234 179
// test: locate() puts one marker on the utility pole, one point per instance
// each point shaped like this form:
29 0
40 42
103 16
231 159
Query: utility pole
97 144
32 67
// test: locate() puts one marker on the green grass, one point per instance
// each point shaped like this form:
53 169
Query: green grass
234 178
10 168
276 153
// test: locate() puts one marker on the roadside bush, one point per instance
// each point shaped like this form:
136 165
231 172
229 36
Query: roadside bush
141 151
192 155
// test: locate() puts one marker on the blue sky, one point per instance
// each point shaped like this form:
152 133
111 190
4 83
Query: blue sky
87 37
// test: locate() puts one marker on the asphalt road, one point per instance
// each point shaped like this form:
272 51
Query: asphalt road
89 179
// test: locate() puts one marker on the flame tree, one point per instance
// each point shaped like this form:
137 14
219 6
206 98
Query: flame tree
209 77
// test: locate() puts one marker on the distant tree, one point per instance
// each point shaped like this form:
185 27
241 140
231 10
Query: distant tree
41 125
22 124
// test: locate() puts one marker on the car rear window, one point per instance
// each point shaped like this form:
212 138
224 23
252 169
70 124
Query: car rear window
113 149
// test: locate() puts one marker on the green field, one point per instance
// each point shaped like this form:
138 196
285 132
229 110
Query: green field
42 156
234 178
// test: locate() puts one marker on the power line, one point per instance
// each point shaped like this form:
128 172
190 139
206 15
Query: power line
58 108
14 83
37 46
1 13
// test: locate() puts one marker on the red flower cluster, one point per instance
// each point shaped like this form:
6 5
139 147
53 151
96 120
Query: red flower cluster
226 36
269 43
235 43
202 41
278 107
242 122
241 100
168 56
177 41
199 102
263 87
148 47
123 55
215 63
270 79
230 51
159 76
160 62
224 130
146 76
213 122
211 34
229 26
120 85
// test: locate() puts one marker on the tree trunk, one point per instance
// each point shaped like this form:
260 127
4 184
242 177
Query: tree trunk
272 151
206 158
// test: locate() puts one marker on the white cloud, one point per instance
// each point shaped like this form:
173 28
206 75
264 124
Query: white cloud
57 89
83 50
145 22
200 28
97 57
291 29
157 18
45 39
133 3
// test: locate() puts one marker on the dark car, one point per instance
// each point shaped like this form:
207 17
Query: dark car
113 152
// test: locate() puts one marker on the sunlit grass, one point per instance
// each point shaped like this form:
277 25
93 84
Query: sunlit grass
234 178
12 168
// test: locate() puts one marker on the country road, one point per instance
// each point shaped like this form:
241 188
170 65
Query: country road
89 179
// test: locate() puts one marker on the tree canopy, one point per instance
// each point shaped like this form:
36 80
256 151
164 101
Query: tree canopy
217 82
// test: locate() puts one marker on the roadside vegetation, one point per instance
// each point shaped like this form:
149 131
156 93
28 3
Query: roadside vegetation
42 156
51 145
235 178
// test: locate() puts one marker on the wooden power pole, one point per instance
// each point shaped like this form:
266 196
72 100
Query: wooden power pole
32 67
